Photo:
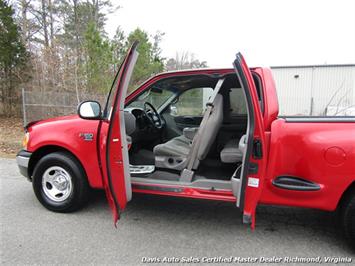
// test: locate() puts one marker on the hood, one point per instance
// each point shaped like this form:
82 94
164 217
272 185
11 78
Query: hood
64 131
54 121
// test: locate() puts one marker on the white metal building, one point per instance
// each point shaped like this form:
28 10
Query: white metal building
316 89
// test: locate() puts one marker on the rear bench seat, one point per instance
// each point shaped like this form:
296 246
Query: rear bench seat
233 150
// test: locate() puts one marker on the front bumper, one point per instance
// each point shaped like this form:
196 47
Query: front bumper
23 159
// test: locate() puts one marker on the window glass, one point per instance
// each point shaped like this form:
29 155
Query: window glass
110 97
192 102
237 102
157 97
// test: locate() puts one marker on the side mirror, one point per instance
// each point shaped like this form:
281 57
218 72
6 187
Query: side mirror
89 110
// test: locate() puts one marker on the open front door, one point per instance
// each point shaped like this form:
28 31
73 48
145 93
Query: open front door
248 186
113 144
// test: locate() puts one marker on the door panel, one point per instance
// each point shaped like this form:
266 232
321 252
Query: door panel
176 124
248 187
187 121
114 159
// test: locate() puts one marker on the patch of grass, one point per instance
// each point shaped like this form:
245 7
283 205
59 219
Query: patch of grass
11 135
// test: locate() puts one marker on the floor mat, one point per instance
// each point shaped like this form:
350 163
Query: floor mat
142 157
222 172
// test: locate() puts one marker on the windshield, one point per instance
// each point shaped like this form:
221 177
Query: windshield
156 96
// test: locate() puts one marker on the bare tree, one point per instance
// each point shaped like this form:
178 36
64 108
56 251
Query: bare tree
184 60
341 104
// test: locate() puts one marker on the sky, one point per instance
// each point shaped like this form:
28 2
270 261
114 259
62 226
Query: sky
268 33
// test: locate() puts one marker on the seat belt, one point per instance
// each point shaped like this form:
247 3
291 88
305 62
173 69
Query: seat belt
197 138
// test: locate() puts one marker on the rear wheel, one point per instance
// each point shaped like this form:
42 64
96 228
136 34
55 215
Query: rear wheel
348 218
60 183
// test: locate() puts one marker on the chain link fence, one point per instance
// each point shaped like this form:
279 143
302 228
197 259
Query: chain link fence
42 105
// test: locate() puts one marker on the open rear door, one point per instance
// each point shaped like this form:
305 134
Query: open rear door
248 186
114 158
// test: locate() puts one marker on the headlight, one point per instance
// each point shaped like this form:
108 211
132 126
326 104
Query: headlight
25 140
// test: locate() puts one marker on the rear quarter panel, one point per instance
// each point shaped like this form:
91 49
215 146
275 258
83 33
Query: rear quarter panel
323 153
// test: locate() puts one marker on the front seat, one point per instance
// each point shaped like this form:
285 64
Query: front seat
174 154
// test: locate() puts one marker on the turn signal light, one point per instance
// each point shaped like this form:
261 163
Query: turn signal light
25 140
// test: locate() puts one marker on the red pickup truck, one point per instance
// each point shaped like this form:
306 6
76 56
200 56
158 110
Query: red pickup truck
208 134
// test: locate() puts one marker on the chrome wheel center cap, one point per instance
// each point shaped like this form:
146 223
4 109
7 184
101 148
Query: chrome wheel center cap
60 182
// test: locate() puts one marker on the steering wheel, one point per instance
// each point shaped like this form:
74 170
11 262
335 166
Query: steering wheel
152 115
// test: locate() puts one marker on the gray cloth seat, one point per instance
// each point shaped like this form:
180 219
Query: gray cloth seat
174 154
179 146
233 150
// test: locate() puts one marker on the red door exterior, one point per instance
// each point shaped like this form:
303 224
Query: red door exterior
114 158
254 165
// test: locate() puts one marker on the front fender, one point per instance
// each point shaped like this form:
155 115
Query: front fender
78 137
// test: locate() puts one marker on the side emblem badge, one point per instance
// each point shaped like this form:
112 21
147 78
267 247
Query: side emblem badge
87 136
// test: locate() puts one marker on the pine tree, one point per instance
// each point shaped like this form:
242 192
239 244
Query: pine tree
98 61
13 57
148 62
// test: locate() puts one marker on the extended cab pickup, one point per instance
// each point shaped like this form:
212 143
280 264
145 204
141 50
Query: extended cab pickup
209 134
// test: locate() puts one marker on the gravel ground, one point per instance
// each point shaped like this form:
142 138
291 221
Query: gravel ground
155 227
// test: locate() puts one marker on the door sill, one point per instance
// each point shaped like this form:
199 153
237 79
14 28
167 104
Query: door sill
195 189
204 184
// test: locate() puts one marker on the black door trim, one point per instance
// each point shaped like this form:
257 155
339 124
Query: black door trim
295 183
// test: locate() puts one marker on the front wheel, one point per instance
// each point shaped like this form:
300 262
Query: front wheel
60 183
348 218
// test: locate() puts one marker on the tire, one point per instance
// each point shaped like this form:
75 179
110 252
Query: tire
60 183
348 218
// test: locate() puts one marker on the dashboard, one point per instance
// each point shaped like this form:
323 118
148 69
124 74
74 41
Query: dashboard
143 129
